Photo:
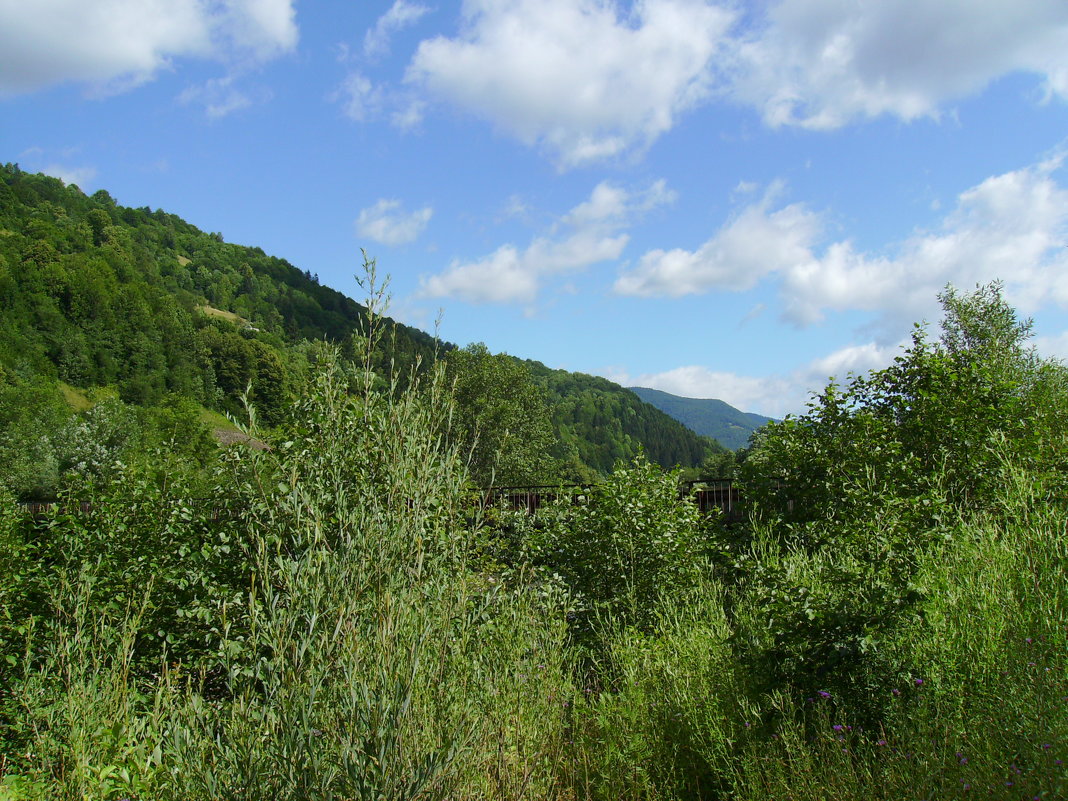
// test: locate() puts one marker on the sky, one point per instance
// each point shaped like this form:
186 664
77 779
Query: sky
715 198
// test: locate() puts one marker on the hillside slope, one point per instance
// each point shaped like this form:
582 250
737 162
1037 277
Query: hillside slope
708 417
605 423
96 294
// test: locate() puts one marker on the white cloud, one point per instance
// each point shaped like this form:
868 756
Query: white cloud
261 29
1011 226
82 176
595 79
363 100
576 76
823 63
117 44
511 275
408 116
220 97
360 99
753 244
1052 347
386 223
748 393
400 15
774 395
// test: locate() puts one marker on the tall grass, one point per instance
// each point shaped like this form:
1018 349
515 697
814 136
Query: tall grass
361 657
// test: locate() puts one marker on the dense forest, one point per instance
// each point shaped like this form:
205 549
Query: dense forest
143 310
333 610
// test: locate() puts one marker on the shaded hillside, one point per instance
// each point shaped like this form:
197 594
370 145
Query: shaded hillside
603 422
708 417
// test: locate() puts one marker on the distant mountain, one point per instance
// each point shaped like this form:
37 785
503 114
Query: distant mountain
708 417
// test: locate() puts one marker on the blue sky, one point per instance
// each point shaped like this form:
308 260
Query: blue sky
713 198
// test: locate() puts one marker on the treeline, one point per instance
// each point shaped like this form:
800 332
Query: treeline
888 623
605 423
96 295
99 294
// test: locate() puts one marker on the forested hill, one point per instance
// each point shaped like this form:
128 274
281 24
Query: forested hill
707 416
96 294
145 305
605 422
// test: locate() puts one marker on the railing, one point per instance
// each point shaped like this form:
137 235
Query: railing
720 494
716 495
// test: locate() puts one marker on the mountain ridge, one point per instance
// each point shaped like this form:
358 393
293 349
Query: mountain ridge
709 417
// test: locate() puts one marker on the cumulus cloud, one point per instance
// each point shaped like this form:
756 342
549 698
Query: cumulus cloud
823 63
756 242
400 15
593 79
117 44
577 77
773 396
260 29
588 234
1011 226
387 223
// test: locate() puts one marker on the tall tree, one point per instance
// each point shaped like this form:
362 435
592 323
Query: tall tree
503 418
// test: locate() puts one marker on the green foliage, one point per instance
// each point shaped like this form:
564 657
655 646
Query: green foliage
933 423
324 638
30 411
96 294
335 617
860 491
502 419
632 544
667 726
101 295
599 423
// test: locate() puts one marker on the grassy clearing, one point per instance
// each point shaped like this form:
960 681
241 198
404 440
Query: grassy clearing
221 314
76 398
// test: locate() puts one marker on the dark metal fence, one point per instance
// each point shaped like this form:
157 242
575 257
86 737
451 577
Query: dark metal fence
719 495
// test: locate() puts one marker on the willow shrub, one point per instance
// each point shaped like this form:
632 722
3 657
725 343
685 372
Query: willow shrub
371 662
624 550
347 650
